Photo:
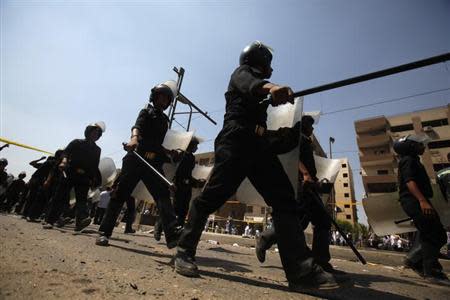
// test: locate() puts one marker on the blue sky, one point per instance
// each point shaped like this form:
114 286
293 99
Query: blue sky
65 64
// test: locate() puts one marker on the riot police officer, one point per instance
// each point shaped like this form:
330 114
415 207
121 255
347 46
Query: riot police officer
79 167
147 136
415 192
241 151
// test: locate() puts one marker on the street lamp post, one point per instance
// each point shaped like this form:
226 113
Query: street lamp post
332 200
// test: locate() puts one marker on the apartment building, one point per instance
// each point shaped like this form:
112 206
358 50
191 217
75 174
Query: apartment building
344 194
375 138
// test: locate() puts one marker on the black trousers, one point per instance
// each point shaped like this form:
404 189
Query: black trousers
99 213
239 153
314 213
431 236
130 212
26 205
134 170
183 196
80 183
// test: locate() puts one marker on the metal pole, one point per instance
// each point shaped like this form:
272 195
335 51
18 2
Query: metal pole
382 73
157 173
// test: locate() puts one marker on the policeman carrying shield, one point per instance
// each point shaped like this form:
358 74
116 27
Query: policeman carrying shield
147 136
415 193
241 151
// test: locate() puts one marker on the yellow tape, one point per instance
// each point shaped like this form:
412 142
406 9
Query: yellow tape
23 146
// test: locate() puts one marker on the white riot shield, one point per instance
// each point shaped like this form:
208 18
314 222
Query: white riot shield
383 211
174 140
200 172
281 116
108 170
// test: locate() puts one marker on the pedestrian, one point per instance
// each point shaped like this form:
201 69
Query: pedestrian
241 151
147 136
415 192
105 196
79 166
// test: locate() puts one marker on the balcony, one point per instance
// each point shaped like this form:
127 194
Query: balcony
370 160
365 126
380 183
369 141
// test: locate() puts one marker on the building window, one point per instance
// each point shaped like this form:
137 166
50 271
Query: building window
382 172
438 167
401 128
345 184
439 144
435 123
347 205
344 165
203 161
346 195
263 210
348 217
249 209
345 175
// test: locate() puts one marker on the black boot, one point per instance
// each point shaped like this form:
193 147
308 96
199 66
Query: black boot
81 224
316 279
185 265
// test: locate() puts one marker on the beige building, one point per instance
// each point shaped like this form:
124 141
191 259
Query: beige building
344 194
375 138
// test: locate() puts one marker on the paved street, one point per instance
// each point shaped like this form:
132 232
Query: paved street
38 264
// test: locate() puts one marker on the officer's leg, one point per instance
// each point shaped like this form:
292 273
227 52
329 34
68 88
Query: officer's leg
229 171
183 196
131 211
161 194
130 176
270 180
58 203
82 219
267 239
321 230
30 199
432 236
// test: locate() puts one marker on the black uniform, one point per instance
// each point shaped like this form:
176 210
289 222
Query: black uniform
13 193
184 183
82 173
240 152
311 211
431 233
152 125
39 196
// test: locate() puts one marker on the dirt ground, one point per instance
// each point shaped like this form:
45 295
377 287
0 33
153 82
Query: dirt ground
48 264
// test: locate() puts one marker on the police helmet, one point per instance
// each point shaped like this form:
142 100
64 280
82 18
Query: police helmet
100 126
256 55
162 88
3 162
407 145
22 175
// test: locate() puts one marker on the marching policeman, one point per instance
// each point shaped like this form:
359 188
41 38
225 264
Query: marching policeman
79 168
415 193
147 136
184 182
241 151
15 191
311 209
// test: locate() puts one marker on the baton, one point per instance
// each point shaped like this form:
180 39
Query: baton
349 243
386 72
156 172
402 221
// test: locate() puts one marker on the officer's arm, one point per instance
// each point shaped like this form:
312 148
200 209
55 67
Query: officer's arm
427 209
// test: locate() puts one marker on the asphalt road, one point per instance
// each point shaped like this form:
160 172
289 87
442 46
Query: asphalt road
48 264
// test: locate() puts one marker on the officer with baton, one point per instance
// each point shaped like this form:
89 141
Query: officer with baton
144 161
